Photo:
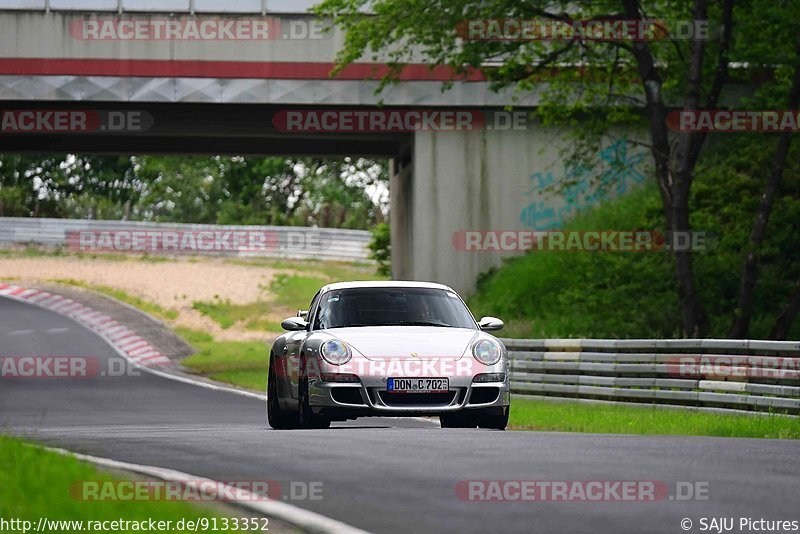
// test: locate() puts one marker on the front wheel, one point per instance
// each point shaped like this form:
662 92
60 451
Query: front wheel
458 420
495 418
306 417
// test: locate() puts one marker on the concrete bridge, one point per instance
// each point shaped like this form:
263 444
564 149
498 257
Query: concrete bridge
205 76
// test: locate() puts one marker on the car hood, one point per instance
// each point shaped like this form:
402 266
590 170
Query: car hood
400 342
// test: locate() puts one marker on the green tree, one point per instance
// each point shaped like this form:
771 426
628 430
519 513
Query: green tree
199 189
591 85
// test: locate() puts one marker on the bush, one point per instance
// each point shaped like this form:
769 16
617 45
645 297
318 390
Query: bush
624 295
381 248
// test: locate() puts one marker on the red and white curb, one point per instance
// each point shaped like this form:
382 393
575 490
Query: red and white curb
127 342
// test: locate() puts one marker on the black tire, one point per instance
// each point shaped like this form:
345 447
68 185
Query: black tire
277 417
495 418
305 416
458 420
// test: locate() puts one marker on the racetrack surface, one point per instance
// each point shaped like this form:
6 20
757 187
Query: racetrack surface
382 475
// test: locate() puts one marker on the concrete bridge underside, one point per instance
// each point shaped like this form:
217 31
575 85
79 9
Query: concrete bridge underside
221 98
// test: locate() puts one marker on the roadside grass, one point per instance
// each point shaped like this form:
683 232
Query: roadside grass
244 364
295 291
614 419
254 315
39 251
632 294
289 292
331 271
36 483
241 363
570 294
144 305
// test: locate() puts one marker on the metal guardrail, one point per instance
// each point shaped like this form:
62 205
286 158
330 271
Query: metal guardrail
745 375
282 241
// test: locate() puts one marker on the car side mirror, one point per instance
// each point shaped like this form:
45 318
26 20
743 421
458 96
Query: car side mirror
294 324
490 324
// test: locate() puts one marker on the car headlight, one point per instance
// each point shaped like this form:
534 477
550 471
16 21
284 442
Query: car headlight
487 351
335 352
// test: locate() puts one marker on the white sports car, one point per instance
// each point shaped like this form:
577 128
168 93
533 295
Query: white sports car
391 349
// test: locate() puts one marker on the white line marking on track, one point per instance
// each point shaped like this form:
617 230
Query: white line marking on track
294 515
57 330
19 332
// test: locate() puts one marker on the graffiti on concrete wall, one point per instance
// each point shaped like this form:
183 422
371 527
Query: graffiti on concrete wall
585 187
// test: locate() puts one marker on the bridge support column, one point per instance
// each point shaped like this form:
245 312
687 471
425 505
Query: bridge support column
400 214
486 180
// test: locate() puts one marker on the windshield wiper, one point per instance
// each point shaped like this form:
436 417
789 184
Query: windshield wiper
418 323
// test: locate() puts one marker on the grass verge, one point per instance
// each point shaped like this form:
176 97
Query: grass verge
36 483
241 363
122 296
244 364
289 292
555 294
614 419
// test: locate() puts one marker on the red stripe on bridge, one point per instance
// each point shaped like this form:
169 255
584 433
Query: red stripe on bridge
221 69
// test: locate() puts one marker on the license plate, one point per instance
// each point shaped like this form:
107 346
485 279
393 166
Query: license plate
418 385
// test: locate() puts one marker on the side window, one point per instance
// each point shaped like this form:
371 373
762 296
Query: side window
312 310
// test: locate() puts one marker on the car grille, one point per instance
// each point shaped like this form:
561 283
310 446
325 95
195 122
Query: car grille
417 399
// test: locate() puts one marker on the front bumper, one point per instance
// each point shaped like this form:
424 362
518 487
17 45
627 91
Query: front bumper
370 397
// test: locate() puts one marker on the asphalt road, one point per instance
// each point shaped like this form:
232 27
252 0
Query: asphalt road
382 475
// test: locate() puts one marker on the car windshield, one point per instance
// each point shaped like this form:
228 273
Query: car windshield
389 306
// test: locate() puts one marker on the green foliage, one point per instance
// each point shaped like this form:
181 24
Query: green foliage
343 193
295 291
381 248
226 314
331 271
288 293
584 294
606 419
629 294
243 363
618 83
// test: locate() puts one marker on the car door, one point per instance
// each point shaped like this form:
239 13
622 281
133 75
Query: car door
294 345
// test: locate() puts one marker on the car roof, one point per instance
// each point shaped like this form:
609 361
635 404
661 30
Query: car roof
384 283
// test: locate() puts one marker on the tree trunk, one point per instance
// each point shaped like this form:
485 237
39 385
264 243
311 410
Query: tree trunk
689 143
673 187
749 274
780 330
